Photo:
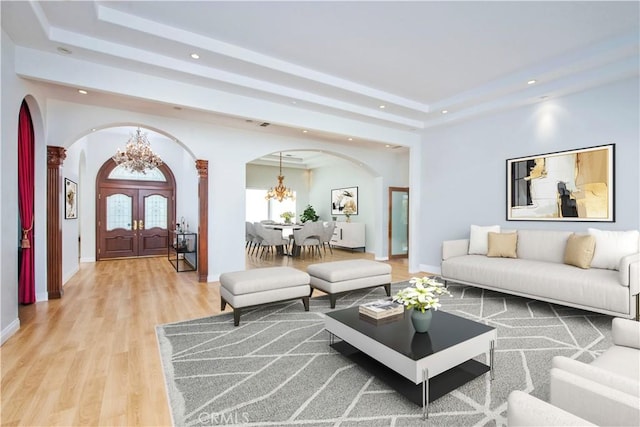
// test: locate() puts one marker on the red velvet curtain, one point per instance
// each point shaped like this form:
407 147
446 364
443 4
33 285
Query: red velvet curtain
26 278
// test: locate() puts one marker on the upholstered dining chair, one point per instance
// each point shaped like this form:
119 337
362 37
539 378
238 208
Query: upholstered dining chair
309 236
269 239
327 235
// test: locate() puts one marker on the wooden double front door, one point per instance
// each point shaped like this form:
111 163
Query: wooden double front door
133 222
133 217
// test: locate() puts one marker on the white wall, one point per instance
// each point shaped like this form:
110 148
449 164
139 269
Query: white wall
14 90
464 173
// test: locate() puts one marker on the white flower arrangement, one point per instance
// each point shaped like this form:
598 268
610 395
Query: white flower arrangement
423 295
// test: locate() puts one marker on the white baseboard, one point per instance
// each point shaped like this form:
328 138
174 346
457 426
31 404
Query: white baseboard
70 275
88 259
42 296
382 258
213 278
9 331
433 269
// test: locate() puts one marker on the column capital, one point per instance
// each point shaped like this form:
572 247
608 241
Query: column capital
55 156
203 168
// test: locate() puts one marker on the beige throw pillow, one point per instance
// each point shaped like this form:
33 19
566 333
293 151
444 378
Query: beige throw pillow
579 250
503 245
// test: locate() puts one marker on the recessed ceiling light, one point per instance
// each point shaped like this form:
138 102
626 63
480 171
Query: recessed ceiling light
64 50
444 111
532 82
195 56
93 129
382 107
387 146
82 91
305 131
350 139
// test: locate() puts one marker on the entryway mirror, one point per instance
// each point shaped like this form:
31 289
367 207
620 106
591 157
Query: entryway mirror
398 222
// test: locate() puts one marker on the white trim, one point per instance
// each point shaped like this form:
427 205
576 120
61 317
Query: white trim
10 330
42 296
88 259
70 275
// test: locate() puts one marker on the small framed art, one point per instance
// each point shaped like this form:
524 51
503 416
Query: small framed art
70 199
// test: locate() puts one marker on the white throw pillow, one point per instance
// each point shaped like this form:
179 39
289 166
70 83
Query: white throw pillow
612 246
479 238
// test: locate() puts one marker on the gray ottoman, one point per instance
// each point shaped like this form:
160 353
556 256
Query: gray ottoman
242 289
342 276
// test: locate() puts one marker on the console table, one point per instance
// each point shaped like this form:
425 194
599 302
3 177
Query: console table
183 251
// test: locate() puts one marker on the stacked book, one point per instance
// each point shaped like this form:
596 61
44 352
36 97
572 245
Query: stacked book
381 309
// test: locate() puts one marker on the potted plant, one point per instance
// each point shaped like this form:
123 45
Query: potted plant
287 216
309 214
422 297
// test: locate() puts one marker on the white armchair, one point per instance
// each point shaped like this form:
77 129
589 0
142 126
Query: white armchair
604 392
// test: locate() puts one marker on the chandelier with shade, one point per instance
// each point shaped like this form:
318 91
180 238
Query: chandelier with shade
280 192
137 155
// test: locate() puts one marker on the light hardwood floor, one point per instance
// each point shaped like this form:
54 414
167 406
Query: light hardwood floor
91 358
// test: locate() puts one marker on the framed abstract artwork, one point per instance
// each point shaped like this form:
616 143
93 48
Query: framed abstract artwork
70 199
574 185
344 201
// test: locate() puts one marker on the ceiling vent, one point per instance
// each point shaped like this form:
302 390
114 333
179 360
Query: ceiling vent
264 124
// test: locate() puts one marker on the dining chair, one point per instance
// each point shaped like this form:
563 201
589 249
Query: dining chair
327 235
309 237
269 238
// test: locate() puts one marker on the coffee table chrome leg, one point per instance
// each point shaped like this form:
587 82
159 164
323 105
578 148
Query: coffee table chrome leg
331 338
491 358
425 394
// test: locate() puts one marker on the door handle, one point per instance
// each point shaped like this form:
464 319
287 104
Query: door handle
135 225
140 225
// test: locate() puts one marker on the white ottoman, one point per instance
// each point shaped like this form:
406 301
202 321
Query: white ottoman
242 289
342 276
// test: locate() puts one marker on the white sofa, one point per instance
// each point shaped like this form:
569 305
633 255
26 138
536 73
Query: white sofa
605 392
539 272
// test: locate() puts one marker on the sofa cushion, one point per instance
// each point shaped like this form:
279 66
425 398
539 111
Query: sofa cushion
478 238
542 245
612 246
557 282
502 245
579 250
624 361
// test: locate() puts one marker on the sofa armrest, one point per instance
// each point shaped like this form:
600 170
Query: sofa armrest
626 332
524 410
629 270
453 248
592 400
596 375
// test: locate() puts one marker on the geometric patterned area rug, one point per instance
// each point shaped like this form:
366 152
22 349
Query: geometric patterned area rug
277 369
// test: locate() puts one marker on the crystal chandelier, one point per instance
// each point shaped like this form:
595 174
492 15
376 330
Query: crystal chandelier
280 192
137 155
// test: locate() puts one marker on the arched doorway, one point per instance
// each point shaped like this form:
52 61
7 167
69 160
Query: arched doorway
133 211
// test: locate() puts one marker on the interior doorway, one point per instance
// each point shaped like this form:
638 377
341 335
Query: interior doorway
134 211
398 222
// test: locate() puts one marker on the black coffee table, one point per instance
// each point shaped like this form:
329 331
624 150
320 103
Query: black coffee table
429 364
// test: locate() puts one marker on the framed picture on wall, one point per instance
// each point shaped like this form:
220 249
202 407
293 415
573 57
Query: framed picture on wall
70 199
574 185
344 201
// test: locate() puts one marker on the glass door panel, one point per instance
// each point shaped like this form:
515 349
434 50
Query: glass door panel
398 222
